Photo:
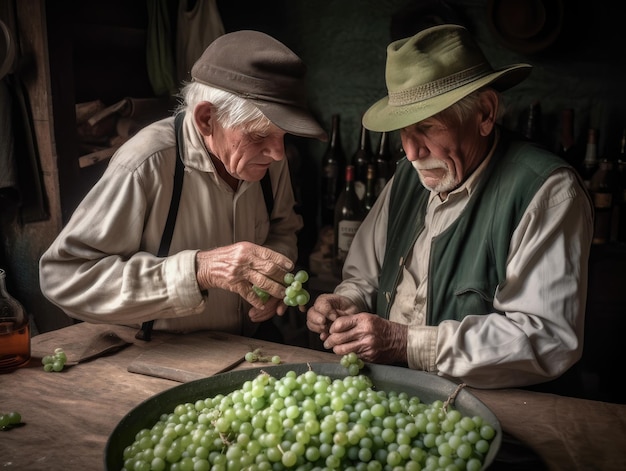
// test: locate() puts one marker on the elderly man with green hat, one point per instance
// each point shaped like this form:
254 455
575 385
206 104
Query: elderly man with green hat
194 210
472 264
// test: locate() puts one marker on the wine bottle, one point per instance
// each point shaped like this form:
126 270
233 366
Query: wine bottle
603 188
361 158
383 162
621 189
333 167
370 188
533 128
349 214
567 143
590 162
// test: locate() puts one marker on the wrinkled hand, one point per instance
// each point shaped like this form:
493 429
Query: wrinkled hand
372 338
271 307
239 266
325 310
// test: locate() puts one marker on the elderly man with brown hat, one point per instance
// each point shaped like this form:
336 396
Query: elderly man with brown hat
472 264
196 209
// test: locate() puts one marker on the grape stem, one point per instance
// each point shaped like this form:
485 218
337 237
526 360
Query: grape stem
452 397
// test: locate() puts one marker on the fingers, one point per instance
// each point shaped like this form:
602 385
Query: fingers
372 338
239 266
270 308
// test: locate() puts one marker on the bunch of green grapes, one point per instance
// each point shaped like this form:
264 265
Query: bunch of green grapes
256 356
295 294
352 363
55 362
9 420
310 421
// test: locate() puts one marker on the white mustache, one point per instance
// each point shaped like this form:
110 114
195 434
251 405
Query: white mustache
428 164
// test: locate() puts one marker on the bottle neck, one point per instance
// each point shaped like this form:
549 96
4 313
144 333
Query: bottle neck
3 288
591 154
349 176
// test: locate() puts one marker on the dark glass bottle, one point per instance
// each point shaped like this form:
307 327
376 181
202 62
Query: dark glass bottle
14 331
361 158
333 168
349 214
370 188
383 162
533 129
590 163
603 188
567 142
621 189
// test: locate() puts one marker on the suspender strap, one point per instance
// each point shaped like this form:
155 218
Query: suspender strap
179 172
166 239
268 196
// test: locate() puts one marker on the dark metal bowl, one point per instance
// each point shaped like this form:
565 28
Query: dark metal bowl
426 386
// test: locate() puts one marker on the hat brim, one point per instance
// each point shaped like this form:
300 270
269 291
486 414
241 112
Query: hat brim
291 119
382 117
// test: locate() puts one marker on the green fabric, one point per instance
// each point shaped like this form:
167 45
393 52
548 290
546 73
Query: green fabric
159 49
468 259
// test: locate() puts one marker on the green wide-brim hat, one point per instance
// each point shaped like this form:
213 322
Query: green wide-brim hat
432 70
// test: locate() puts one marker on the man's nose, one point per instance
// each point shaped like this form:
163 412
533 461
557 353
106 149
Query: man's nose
414 149
276 148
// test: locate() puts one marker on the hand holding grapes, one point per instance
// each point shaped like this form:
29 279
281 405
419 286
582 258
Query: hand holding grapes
326 309
240 266
372 338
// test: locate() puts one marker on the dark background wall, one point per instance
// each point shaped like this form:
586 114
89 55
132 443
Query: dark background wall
344 43
97 50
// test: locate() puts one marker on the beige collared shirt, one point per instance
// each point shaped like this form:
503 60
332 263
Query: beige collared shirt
543 296
102 267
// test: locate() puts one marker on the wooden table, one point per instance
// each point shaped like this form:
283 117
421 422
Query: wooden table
70 415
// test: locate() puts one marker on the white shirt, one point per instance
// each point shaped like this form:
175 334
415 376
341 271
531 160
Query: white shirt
543 296
102 267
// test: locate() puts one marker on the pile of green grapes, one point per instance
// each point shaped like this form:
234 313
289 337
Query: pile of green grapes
311 422
295 294
55 362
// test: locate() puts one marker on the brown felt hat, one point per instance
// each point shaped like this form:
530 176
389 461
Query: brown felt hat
432 70
264 71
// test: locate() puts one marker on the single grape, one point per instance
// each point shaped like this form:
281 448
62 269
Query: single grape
302 276
264 295
251 357
9 420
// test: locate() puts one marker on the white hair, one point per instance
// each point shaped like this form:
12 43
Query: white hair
230 110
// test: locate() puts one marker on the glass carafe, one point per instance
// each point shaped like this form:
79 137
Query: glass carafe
14 331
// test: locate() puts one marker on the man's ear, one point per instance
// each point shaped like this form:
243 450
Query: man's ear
489 109
202 115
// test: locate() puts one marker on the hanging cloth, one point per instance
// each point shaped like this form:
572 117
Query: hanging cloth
159 49
199 23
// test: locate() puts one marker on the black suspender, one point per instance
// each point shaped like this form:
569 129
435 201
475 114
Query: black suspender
166 239
145 333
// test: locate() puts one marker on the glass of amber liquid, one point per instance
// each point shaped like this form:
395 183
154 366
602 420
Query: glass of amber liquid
14 331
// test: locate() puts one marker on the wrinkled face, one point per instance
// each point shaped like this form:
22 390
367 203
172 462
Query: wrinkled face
246 154
443 153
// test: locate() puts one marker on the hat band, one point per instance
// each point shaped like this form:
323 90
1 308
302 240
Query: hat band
439 87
